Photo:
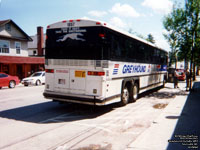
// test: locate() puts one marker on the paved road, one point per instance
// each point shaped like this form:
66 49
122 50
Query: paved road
28 121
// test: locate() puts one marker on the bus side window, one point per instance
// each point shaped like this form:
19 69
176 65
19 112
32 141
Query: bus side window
150 54
163 58
130 50
140 52
115 48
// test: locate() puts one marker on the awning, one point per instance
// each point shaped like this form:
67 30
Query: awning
21 60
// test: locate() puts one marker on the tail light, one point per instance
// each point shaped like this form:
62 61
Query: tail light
98 23
95 73
49 70
102 35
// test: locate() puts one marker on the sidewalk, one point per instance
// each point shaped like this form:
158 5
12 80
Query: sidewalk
177 128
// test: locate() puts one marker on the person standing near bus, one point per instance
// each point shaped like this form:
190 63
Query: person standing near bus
187 79
176 79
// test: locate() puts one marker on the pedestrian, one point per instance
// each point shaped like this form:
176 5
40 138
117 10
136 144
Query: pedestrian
176 79
187 79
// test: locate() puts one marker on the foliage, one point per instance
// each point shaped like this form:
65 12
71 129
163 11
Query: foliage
150 38
183 32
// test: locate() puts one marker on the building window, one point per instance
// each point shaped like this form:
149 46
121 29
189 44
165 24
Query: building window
4 46
34 53
8 27
18 47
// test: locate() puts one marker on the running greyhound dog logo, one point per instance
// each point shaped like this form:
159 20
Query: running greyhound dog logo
73 36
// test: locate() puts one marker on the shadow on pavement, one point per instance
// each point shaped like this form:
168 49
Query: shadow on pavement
53 112
186 135
163 94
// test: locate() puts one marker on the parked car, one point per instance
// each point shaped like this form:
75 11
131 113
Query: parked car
36 78
181 74
8 80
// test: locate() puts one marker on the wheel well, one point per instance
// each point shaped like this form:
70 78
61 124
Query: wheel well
130 82
165 77
126 83
137 81
12 81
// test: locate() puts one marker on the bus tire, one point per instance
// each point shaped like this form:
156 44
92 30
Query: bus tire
134 92
125 96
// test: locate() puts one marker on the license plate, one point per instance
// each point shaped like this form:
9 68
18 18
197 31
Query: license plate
80 74
61 81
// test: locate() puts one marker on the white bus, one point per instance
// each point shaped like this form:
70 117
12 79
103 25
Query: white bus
90 62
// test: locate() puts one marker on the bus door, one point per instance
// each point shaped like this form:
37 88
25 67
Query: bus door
77 80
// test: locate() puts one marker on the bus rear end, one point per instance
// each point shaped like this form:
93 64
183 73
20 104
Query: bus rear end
76 62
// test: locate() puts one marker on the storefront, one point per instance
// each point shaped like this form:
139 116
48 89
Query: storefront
21 66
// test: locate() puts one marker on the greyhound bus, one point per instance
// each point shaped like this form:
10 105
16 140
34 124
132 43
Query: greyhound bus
90 62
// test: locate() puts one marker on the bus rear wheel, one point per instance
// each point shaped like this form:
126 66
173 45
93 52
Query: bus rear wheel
125 96
134 94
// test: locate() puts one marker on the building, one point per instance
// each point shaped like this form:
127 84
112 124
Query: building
36 47
14 59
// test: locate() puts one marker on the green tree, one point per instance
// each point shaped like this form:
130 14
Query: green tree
183 34
136 34
173 24
193 18
150 38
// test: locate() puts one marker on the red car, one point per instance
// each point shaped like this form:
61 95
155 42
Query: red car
7 80
181 75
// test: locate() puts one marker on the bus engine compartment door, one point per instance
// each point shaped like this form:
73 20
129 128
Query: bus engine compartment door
61 79
77 80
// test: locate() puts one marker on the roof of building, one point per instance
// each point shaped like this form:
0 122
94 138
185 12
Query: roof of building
3 22
33 44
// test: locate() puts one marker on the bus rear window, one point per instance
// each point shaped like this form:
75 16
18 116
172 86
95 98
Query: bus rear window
75 43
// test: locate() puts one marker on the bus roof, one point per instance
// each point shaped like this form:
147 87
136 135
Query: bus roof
87 23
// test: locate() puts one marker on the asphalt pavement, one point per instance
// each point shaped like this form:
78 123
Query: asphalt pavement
178 126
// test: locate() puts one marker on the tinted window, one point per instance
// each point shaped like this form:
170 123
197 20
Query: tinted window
100 43
76 43
3 75
36 74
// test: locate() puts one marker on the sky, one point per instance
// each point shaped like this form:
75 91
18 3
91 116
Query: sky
141 16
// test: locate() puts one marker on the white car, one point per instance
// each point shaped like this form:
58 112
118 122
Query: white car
36 78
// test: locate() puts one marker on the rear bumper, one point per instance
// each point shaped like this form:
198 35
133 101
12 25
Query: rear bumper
91 100
82 99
